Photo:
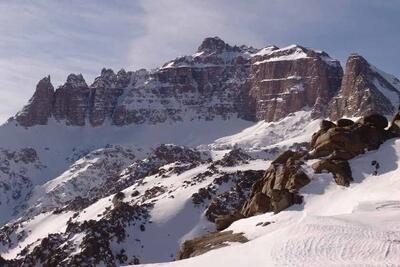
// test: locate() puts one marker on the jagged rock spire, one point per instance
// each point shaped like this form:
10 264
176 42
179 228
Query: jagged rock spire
213 44
363 91
38 110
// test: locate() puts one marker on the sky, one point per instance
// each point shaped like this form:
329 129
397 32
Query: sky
43 37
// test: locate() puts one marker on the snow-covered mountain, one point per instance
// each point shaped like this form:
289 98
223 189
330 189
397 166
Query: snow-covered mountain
224 150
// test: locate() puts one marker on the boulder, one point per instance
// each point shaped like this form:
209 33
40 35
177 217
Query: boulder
224 221
394 128
339 168
344 122
375 120
326 125
205 243
348 142
277 190
282 199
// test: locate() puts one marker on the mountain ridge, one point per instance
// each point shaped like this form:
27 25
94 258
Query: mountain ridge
218 80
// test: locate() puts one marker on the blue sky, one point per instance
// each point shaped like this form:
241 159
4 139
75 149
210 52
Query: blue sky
44 37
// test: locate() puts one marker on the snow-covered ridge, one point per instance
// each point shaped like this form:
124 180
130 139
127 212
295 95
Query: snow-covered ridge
395 82
289 53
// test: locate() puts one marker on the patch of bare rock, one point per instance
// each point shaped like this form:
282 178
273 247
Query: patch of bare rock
202 244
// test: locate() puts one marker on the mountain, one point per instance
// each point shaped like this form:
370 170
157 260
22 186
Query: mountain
229 149
365 90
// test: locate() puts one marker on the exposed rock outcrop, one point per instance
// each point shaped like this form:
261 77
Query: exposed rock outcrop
337 144
201 245
344 122
339 168
277 190
346 142
234 157
220 80
223 222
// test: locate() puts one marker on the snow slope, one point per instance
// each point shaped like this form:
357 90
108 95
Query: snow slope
336 226
173 216
296 128
56 142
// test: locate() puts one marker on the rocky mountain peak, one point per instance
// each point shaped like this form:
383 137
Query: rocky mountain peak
38 110
107 72
364 90
76 81
106 78
215 44
121 72
45 82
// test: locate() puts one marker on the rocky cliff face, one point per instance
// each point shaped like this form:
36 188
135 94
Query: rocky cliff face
292 78
223 81
365 90
105 91
38 110
70 101
209 83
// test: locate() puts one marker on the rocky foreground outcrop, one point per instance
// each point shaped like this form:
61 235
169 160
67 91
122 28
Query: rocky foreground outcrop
201 245
333 145
277 190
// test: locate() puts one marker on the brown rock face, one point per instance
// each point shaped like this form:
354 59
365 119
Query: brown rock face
277 190
75 102
259 203
211 83
105 91
202 244
291 79
223 222
339 168
361 91
71 101
38 110
347 142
